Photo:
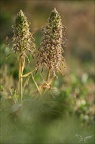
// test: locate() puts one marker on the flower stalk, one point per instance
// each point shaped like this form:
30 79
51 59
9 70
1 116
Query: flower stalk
50 52
22 43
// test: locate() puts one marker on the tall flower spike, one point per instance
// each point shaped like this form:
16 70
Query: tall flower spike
51 49
23 40
22 43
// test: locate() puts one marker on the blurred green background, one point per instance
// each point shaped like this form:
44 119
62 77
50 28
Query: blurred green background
69 108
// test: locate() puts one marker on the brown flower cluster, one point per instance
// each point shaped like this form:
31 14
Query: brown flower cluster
50 54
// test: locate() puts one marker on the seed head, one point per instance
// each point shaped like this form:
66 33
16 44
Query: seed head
51 48
23 40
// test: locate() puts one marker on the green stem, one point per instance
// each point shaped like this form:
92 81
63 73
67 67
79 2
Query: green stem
48 75
21 90
20 77
47 78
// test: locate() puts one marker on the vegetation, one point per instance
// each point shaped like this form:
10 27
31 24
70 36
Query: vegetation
43 99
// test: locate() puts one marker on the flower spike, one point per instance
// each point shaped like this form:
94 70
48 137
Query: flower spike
50 54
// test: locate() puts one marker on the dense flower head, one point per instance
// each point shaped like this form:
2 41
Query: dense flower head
22 39
51 48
